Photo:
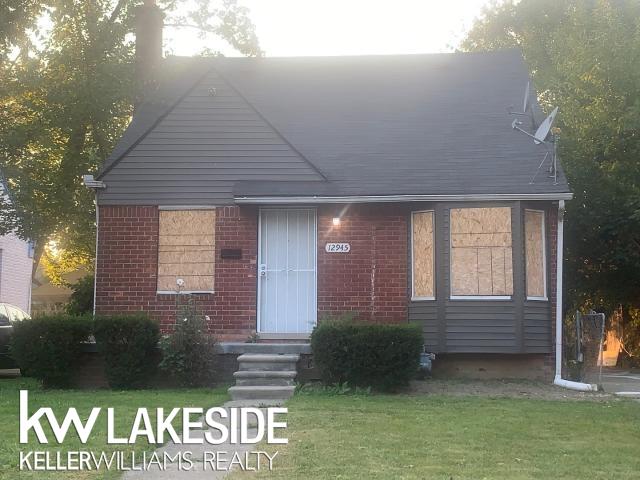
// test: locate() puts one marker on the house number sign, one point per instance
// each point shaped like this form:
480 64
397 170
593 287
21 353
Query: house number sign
337 248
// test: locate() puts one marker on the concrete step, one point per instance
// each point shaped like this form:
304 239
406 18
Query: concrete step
268 357
268 348
255 403
265 377
261 392
267 362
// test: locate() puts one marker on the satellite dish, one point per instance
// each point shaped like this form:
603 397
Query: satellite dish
543 129
540 135
525 106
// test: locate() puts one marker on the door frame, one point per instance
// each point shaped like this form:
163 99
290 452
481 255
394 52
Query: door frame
287 335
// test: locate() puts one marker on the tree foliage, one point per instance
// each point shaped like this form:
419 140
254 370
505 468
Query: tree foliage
584 56
66 90
81 299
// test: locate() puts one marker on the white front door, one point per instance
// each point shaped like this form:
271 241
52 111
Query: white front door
287 271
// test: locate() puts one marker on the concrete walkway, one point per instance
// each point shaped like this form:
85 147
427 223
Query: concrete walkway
200 468
624 383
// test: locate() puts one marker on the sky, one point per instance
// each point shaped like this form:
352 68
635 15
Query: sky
346 27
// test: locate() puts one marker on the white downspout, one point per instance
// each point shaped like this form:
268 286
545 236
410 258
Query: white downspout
558 380
95 262
93 184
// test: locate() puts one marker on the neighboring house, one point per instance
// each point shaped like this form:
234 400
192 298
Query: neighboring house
284 190
16 264
49 298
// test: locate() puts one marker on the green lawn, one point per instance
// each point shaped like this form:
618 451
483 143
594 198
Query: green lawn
384 436
124 403
429 437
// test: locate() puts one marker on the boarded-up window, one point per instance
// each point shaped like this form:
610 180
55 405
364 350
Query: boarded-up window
186 250
535 253
422 254
481 261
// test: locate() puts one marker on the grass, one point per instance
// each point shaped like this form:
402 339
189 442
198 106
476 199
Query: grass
125 404
453 438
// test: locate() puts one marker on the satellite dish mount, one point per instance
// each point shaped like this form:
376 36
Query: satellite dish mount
541 135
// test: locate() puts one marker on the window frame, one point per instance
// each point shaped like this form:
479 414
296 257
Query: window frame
501 298
545 297
414 297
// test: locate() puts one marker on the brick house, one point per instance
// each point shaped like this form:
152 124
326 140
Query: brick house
284 190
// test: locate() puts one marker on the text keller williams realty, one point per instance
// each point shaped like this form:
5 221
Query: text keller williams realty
232 426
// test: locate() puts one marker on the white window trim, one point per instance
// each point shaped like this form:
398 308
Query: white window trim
188 292
544 298
414 297
480 297
476 297
187 207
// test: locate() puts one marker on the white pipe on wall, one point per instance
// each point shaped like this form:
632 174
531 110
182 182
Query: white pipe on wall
558 380
95 261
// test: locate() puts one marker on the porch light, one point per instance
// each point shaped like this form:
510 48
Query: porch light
336 221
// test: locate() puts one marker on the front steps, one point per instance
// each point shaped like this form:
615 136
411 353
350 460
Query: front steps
266 373
262 392
275 378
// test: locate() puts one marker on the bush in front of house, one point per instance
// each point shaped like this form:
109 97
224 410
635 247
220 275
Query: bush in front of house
384 357
81 299
48 347
129 346
188 354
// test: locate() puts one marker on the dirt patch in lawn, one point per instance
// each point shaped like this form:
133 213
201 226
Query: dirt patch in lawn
502 388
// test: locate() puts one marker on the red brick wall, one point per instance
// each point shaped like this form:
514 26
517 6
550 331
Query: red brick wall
127 269
372 278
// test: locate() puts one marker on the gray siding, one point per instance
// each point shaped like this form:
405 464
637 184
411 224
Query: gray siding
537 326
426 314
483 326
195 154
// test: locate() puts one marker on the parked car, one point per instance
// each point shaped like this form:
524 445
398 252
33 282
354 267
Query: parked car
9 314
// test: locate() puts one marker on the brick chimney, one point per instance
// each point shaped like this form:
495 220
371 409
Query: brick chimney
149 23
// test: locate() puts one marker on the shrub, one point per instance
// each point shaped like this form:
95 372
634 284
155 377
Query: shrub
81 299
48 347
188 354
129 345
384 357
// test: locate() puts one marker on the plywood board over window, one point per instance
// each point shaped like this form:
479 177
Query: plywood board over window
481 252
422 255
186 250
535 254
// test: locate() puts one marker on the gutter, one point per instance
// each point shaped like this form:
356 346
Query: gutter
558 380
313 199
90 182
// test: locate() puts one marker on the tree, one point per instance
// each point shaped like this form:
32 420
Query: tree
584 56
16 17
65 98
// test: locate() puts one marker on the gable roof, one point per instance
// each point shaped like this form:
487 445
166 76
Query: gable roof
330 126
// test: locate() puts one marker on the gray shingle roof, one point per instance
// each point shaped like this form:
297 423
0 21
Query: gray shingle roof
376 125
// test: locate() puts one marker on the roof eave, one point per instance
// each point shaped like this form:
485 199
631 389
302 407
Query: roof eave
315 199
